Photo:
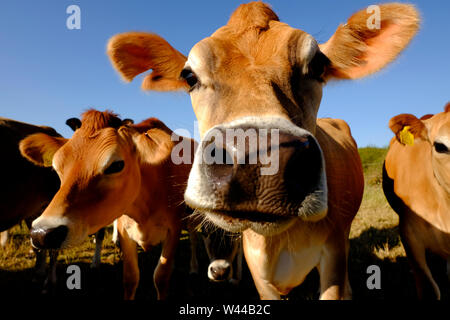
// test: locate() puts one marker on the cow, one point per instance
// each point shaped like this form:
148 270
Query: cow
25 189
223 249
74 124
113 170
295 206
416 182
30 189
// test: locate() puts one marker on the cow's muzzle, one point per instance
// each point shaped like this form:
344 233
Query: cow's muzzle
48 238
259 170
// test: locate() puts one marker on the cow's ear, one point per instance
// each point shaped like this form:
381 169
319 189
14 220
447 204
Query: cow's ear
40 148
74 123
447 107
133 53
370 39
154 146
407 128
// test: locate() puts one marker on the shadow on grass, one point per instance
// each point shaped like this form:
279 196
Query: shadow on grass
396 279
106 282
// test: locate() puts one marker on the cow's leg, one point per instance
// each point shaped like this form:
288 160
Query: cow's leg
237 277
265 289
415 251
130 264
41 264
193 240
53 262
333 269
50 281
348 288
425 285
448 269
115 235
3 238
99 236
163 271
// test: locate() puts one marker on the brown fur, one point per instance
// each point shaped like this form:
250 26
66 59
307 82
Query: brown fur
417 185
447 107
146 196
25 188
92 121
417 128
143 51
427 116
251 16
258 66
357 51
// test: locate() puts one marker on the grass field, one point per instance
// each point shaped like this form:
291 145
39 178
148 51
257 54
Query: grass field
374 239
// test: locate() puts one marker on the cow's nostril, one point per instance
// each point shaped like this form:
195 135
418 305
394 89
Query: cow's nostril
219 166
221 156
225 273
49 238
37 237
302 170
213 270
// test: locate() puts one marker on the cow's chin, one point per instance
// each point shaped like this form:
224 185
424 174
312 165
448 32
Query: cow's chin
313 208
76 236
262 223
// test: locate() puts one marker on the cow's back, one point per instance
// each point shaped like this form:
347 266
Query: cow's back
24 187
344 170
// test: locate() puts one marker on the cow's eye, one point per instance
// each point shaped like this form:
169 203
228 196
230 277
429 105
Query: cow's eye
189 76
440 147
115 167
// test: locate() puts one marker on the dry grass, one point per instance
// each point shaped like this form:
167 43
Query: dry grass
375 212
17 255
374 239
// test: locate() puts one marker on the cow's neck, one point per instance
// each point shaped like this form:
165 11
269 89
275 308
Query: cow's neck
275 259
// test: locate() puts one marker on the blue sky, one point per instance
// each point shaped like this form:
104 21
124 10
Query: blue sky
50 73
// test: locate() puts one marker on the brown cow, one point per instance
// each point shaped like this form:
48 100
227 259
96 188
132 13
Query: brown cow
416 182
223 250
107 169
25 189
258 76
29 188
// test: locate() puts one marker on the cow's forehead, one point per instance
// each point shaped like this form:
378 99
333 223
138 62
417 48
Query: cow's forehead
444 125
201 55
439 125
92 150
278 41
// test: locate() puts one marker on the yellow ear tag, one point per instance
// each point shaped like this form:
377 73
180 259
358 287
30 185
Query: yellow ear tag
406 137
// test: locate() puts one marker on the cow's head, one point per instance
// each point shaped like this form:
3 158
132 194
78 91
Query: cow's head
222 249
433 130
259 82
99 169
